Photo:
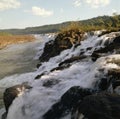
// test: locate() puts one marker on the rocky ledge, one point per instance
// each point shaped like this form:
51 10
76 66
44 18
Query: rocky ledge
64 40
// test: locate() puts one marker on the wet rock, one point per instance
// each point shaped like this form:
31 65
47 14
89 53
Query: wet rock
109 81
11 93
89 48
72 59
104 84
67 102
114 75
107 32
63 41
38 65
96 55
61 67
110 47
4 116
40 75
99 106
50 82
117 90
49 51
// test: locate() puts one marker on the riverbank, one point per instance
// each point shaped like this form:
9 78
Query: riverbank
6 40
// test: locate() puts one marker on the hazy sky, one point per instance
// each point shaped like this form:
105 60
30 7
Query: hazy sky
25 13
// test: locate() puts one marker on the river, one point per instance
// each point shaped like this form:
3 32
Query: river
18 59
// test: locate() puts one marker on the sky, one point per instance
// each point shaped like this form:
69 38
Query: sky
30 13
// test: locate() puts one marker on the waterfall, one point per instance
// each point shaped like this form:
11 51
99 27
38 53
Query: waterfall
34 103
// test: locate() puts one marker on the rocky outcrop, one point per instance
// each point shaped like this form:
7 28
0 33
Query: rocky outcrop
100 106
11 93
67 102
63 41
109 47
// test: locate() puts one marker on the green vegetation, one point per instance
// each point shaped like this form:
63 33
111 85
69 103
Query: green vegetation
101 22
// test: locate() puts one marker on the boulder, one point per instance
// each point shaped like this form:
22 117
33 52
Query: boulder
64 40
12 92
67 102
98 106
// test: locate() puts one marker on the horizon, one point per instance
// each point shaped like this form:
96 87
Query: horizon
19 14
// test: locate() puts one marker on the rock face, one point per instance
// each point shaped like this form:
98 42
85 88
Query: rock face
67 102
100 106
11 93
63 41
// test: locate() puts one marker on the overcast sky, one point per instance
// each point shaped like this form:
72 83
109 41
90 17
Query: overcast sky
26 13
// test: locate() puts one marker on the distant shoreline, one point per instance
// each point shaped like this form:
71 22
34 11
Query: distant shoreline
14 39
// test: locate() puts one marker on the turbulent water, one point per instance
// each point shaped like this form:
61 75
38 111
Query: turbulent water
35 102
18 59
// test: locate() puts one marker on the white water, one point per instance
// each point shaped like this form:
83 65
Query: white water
33 104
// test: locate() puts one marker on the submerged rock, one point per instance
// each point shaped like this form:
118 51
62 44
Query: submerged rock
50 82
100 106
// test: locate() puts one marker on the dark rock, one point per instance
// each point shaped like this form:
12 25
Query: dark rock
100 106
40 75
72 59
108 81
61 67
11 93
114 75
104 84
48 51
38 65
107 32
67 102
63 41
4 116
50 82
113 46
89 48
95 56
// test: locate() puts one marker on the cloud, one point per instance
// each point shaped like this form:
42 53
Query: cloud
41 11
9 4
97 3
77 3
